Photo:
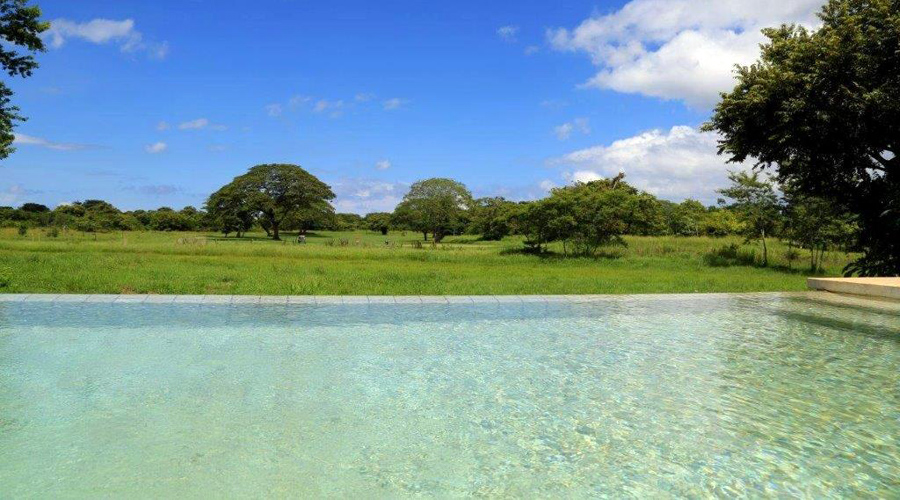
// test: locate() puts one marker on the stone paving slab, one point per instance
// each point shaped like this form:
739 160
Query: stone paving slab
386 299
888 288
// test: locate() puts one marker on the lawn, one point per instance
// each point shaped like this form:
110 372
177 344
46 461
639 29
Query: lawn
365 263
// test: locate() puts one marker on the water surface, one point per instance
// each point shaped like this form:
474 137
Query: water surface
718 395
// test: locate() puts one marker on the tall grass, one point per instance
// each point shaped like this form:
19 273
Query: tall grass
364 263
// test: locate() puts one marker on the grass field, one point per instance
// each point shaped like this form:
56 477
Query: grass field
364 263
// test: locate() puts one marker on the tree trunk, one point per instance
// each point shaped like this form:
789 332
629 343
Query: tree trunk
424 235
275 231
765 250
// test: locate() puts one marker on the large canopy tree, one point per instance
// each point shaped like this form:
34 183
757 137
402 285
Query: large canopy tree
276 192
20 26
823 109
437 206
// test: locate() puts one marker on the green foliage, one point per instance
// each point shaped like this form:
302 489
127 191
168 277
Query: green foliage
273 193
20 27
823 109
23 229
6 277
757 203
378 221
492 218
206 263
588 216
436 206
816 224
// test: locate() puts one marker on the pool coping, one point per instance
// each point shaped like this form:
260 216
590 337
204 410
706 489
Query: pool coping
357 299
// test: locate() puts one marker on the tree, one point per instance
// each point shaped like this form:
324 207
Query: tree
275 192
378 221
20 26
491 218
437 206
230 211
816 224
585 215
822 108
755 199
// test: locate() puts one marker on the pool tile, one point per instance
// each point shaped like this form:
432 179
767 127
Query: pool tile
41 297
301 299
407 299
70 297
434 299
484 299
381 299
217 299
273 299
531 299
131 299
102 298
356 299
188 299
245 299
508 298
459 299
329 299
160 299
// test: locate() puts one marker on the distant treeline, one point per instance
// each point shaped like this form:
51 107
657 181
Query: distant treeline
582 217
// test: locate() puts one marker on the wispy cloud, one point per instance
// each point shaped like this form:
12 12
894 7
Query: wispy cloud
274 110
383 165
156 147
200 124
162 126
156 189
508 33
394 103
564 131
103 31
27 140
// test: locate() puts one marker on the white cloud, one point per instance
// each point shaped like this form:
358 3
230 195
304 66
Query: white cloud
200 124
564 131
675 164
383 165
11 195
531 50
547 185
298 100
364 196
27 140
508 33
333 107
156 147
394 103
364 97
678 49
103 31
274 109
161 126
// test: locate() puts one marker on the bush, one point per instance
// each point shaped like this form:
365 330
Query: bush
5 277
53 232
23 229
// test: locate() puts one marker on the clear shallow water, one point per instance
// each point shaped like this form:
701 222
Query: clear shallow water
632 396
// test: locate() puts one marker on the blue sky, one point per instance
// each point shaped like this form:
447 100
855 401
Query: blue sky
149 104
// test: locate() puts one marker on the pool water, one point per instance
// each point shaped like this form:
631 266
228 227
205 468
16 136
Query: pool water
688 396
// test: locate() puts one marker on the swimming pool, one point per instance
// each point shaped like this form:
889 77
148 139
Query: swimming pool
759 394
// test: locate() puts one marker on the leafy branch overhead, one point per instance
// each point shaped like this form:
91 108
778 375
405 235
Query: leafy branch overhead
20 29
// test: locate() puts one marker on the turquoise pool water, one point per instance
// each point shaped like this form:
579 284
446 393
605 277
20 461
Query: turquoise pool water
690 396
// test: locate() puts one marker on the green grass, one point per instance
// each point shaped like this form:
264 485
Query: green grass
363 264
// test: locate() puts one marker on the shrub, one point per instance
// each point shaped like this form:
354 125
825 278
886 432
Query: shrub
23 229
53 232
5 277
